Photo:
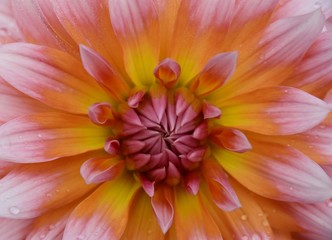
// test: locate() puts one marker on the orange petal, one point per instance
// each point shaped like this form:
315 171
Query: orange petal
136 26
80 19
277 172
191 220
142 223
30 190
50 76
273 111
198 34
47 136
104 214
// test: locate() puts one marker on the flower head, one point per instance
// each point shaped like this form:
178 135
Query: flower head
159 119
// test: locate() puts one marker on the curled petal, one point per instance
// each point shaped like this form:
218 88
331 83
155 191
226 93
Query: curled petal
191 182
101 113
103 72
216 72
220 188
231 139
101 169
210 111
274 111
112 146
167 72
147 185
134 100
162 204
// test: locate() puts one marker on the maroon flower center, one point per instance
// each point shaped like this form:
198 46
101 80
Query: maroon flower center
163 138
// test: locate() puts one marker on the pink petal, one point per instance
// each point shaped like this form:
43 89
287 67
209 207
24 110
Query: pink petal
11 229
147 185
289 8
50 226
101 113
278 172
104 214
201 131
316 219
47 136
101 169
281 36
191 182
49 76
274 111
220 189
47 29
6 167
14 103
103 72
10 31
231 139
162 204
216 72
210 111
30 190
167 72
314 72
136 26
112 146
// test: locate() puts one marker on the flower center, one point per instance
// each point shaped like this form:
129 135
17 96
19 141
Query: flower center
162 137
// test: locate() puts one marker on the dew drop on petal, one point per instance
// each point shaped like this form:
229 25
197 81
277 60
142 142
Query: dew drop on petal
244 237
265 223
244 217
255 237
329 203
80 237
51 227
42 236
14 210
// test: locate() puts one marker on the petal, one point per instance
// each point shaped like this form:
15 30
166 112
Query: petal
80 18
47 136
288 8
101 169
103 72
136 26
6 167
12 229
167 72
281 36
274 111
30 190
191 220
314 73
198 34
104 214
142 223
316 219
247 222
47 29
221 191
50 226
9 29
315 143
216 72
50 76
14 103
277 172
162 203
231 139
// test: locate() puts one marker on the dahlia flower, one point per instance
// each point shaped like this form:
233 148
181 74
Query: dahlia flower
165 119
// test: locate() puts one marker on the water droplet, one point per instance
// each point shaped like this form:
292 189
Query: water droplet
149 231
317 4
244 217
310 146
14 210
322 126
273 210
57 190
285 91
291 188
51 226
244 237
68 190
39 135
260 214
48 195
42 236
